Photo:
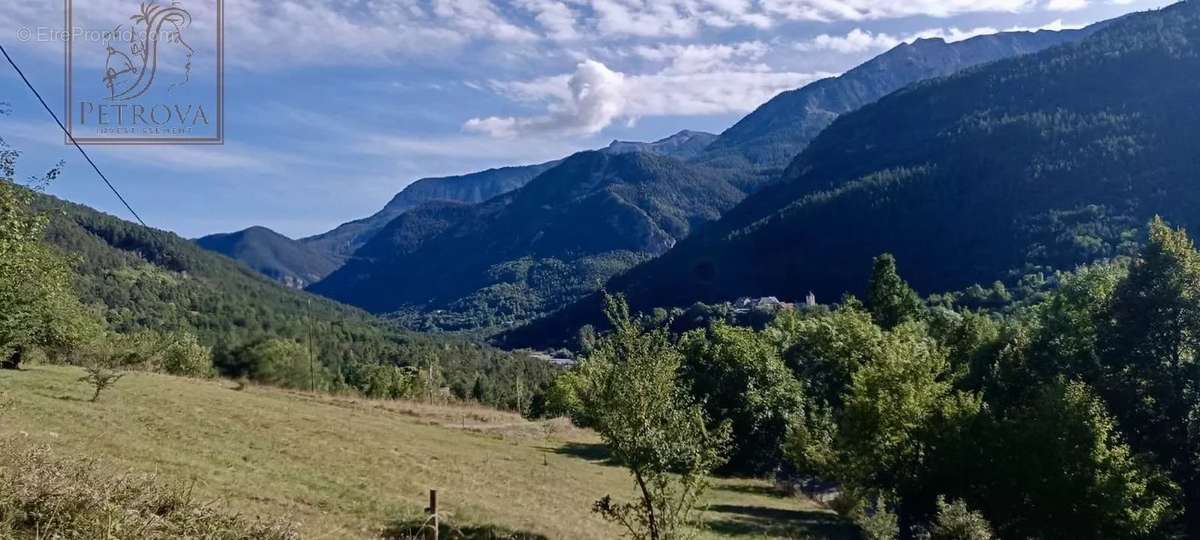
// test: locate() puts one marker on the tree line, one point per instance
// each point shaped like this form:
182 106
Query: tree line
1075 416
87 288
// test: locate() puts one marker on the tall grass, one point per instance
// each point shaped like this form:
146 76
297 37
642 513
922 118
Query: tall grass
43 496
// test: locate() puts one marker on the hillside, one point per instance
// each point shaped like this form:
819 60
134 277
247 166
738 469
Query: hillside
1022 166
141 278
486 281
771 136
341 242
273 255
348 468
524 253
299 263
150 278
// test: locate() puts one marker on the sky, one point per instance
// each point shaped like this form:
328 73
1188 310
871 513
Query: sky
333 106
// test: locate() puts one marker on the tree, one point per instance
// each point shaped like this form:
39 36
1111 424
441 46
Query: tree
740 377
275 361
889 297
630 387
38 304
101 377
1151 373
479 391
825 349
1060 469
882 438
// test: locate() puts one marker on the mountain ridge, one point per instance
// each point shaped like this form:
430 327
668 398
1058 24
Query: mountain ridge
1094 139
272 254
774 133
595 214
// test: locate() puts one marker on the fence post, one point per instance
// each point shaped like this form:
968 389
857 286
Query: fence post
433 510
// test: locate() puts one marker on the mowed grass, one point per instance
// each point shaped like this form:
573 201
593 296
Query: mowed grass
350 468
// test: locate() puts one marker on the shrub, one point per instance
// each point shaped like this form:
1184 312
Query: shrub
954 521
186 357
276 362
101 378
42 496
878 524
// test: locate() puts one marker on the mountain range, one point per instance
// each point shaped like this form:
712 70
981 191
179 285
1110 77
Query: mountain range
551 233
532 250
299 263
1008 171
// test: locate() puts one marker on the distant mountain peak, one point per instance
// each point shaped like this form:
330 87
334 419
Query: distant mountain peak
272 254
771 136
685 144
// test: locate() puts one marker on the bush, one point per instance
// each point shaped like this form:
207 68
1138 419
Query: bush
275 362
186 357
879 524
954 521
101 378
42 496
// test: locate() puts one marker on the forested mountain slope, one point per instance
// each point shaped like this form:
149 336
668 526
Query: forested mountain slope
561 235
273 255
145 279
483 291
344 240
772 135
1024 165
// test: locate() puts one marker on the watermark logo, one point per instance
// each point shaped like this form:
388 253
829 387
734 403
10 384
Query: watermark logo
155 77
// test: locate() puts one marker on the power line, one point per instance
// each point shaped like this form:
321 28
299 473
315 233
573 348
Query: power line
69 137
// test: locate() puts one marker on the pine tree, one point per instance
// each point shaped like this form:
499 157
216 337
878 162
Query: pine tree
889 297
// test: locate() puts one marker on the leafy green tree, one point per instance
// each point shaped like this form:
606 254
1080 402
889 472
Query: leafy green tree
741 378
897 416
392 382
1060 469
825 349
1151 371
38 304
277 362
889 297
631 389
1070 322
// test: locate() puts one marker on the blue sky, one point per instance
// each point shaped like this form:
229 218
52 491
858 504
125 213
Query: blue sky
333 106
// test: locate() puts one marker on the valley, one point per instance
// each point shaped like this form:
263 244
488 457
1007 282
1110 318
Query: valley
948 290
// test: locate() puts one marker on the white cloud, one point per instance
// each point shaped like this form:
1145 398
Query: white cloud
1057 25
270 34
1066 5
595 96
697 58
859 40
557 18
859 10
952 34
855 41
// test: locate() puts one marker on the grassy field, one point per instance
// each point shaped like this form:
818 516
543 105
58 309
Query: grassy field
349 468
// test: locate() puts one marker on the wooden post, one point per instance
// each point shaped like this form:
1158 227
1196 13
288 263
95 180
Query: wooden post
433 510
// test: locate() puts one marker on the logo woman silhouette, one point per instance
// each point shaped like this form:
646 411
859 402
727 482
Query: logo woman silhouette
128 76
